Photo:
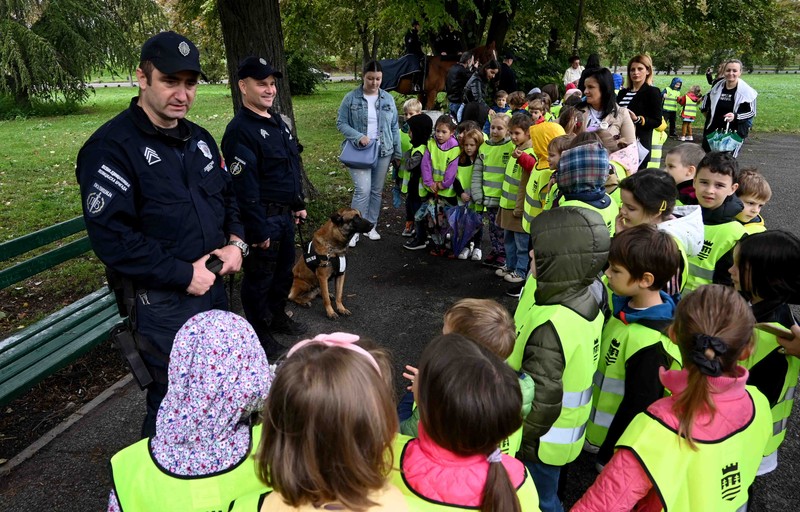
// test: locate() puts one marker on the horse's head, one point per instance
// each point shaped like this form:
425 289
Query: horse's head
484 54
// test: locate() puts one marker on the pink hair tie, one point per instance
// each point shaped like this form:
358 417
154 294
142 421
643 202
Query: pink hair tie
337 339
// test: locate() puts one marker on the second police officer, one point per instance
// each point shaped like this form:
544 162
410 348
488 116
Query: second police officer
263 160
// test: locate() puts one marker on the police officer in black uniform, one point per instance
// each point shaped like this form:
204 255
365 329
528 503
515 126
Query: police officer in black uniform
158 201
412 43
263 160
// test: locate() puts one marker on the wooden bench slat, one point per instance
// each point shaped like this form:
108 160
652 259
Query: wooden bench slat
75 337
33 266
103 297
40 238
9 390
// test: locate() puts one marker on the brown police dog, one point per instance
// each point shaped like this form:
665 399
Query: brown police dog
314 268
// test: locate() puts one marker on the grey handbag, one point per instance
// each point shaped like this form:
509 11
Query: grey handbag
357 156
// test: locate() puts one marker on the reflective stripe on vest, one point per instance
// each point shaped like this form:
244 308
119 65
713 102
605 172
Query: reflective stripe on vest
494 159
526 492
440 159
718 240
766 344
405 172
671 100
656 149
511 181
609 213
141 485
619 343
690 109
535 196
580 344
716 476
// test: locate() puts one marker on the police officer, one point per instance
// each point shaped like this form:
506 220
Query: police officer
263 160
158 202
411 40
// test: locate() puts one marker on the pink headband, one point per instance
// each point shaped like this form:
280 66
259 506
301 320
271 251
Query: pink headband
337 339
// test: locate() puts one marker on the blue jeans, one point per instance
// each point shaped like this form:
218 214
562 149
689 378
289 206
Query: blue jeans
516 245
545 477
454 108
368 189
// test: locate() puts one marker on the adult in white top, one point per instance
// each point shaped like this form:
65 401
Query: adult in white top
573 72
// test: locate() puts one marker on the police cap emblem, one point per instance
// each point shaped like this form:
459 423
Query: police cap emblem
184 48
263 61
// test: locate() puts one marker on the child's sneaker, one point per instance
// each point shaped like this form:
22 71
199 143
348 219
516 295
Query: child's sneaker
408 231
415 244
514 277
689 138
515 291
476 254
503 271
464 254
681 138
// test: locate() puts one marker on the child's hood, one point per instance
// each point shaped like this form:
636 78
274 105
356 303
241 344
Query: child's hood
657 317
723 214
421 127
570 246
541 135
583 169
675 82
686 226
694 96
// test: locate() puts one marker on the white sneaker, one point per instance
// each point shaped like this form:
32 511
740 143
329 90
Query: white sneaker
502 271
464 254
373 235
477 255
681 138
353 241
689 137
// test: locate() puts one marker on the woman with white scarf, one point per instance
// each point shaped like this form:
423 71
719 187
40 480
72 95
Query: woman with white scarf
730 101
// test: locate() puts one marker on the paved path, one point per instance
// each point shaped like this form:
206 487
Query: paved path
397 297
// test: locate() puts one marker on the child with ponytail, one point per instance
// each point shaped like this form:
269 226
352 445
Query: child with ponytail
469 402
766 271
698 449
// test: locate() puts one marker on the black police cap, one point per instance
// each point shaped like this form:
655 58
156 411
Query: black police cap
171 53
256 67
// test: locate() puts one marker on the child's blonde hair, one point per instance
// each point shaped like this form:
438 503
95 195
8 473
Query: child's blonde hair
753 183
713 327
474 135
516 99
484 321
501 118
695 89
412 105
308 453
689 153
536 105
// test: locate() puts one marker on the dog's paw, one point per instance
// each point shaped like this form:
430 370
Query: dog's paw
332 315
343 310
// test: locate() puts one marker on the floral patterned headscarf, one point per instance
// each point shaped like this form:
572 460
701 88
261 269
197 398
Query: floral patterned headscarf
218 376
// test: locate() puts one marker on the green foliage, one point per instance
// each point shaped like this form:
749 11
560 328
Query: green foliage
49 47
199 21
302 81
10 108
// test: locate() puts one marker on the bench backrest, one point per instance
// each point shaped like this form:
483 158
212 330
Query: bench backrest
44 261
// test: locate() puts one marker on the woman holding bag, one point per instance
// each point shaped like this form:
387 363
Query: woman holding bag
731 103
367 116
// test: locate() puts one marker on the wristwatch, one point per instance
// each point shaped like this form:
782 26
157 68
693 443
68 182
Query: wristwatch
242 247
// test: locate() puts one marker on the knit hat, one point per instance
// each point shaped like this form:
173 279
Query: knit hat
570 86
535 90
421 127
572 91
583 169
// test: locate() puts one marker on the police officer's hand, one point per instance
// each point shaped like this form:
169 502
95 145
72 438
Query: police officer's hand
202 278
302 214
231 257
262 245
791 346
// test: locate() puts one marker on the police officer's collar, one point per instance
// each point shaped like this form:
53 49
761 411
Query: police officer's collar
274 117
144 124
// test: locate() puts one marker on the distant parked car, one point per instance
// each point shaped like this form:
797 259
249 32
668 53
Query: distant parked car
322 74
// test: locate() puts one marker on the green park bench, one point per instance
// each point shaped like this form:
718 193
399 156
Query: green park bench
41 349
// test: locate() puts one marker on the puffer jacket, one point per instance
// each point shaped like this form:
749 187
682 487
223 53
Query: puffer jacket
441 475
685 226
570 247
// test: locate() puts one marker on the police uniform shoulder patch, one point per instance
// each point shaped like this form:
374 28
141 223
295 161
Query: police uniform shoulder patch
205 149
237 166
97 199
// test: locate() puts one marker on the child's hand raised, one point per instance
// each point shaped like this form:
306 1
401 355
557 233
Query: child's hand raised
516 153
410 374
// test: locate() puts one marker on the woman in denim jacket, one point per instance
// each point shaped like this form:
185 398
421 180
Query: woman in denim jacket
368 113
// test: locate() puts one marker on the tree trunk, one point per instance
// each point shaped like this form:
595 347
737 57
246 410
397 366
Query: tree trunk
254 28
501 22
552 42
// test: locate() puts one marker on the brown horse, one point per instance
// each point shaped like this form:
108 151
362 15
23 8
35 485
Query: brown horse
436 73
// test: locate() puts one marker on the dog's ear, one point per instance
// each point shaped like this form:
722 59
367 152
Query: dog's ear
337 219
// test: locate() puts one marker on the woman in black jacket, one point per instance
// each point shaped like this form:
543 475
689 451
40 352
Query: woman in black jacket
643 101
475 107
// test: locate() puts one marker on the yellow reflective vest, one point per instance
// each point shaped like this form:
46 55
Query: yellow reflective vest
535 196
580 343
766 344
495 158
690 108
671 100
405 172
717 241
609 213
526 492
249 503
440 159
715 477
141 485
619 343
511 181
656 149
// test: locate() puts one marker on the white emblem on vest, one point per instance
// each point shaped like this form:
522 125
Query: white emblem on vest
151 156
184 48
204 148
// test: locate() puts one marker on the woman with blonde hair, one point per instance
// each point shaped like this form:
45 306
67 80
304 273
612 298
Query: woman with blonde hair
643 101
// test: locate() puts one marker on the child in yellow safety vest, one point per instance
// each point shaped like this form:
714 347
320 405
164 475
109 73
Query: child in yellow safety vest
558 341
715 185
634 344
690 102
698 449
755 192
470 143
681 163
469 401
669 108
409 167
488 173
766 271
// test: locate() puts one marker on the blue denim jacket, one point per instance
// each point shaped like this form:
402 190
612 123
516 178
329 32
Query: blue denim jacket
352 120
